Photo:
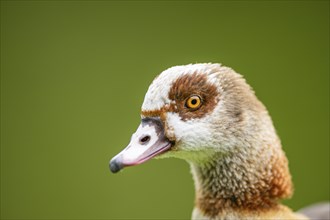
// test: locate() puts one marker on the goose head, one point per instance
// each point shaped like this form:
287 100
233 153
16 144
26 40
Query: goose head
195 112
209 116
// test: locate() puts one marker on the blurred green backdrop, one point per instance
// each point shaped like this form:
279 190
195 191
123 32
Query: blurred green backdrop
74 75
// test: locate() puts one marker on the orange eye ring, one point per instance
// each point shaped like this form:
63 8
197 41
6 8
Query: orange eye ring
194 102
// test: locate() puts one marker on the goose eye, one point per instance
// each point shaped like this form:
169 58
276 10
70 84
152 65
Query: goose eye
193 102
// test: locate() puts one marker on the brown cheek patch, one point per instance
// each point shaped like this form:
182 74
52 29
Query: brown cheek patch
193 84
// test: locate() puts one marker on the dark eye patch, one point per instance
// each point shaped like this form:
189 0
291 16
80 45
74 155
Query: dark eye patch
190 84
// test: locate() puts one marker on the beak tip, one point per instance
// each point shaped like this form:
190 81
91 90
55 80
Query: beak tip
115 166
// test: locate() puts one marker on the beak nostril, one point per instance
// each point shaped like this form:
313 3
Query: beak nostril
144 139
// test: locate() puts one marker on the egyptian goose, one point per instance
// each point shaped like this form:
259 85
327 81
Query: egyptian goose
209 116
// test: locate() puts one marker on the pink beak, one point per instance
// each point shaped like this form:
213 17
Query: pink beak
148 141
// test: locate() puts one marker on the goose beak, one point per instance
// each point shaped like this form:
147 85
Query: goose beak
148 141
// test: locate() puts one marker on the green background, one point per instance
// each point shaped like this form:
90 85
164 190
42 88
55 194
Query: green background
74 75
